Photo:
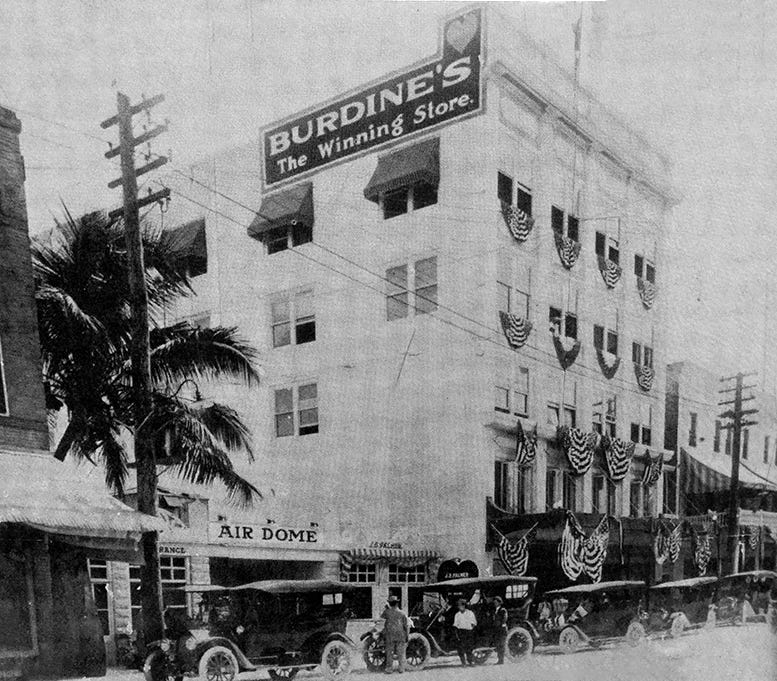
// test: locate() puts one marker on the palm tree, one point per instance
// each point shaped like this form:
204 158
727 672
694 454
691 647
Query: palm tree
84 315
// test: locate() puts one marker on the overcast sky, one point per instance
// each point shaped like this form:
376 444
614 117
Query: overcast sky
697 76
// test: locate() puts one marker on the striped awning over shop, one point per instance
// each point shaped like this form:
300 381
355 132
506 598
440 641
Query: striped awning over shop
405 556
706 472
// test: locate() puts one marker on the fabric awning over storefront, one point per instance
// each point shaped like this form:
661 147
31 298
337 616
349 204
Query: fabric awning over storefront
709 472
405 556
46 494
288 207
417 163
188 241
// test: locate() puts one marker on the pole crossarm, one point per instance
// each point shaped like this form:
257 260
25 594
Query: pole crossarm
137 141
145 104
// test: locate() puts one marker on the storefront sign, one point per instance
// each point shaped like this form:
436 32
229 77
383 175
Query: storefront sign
172 550
258 535
385 545
456 569
444 88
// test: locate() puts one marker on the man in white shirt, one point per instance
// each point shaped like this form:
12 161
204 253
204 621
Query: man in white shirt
464 624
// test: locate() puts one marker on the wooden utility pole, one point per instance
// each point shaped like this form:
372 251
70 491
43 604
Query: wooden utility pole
736 415
151 592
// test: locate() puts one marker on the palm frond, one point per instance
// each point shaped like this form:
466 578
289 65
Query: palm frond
226 426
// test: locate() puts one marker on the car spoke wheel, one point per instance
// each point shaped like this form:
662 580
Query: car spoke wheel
157 668
283 673
518 644
218 664
418 651
635 634
336 660
569 640
374 654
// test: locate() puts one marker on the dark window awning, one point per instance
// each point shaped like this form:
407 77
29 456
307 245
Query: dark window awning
289 207
417 163
188 241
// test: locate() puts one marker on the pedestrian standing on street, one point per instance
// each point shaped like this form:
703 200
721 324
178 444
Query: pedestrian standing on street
464 623
500 629
395 634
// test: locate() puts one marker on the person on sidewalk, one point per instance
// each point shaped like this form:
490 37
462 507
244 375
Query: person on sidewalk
464 624
395 634
500 629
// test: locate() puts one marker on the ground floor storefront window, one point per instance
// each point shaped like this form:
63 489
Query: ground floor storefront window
99 578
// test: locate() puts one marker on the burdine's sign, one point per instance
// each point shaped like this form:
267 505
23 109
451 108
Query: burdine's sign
440 90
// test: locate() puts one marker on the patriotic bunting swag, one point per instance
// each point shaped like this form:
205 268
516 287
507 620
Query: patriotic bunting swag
702 552
515 557
611 272
566 358
647 292
666 544
516 329
609 370
653 469
346 562
519 222
645 376
568 249
579 553
579 448
525 445
618 455
752 539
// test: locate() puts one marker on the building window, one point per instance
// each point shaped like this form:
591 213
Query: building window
728 441
647 501
692 429
642 354
569 417
552 488
404 575
424 273
635 489
562 324
766 449
605 416
605 340
174 573
607 247
745 442
716 439
363 574
644 268
516 591
603 495
98 577
642 430
300 417
512 300
569 492
293 320
513 399
670 491
400 201
504 190
558 222
287 236
512 486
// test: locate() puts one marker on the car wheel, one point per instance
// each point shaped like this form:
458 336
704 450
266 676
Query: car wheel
336 660
519 643
282 673
569 640
635 634
678 626
374 654
481 655
218 664
156 668
418 651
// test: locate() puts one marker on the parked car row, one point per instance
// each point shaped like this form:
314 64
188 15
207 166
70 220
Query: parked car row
283 626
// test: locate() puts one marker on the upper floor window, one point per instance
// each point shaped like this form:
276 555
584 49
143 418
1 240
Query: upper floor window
293 320
605 415
607 247
568 416
512 300
403 200
670 491
603 495
512 487
642 429
3 393
562 323
716 439
605 339
296 410
285 219
513 193
642 354
635 499
692 429
566 224
513 398
644 268
423 274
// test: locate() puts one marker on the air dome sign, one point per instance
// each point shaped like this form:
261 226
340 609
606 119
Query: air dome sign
437 91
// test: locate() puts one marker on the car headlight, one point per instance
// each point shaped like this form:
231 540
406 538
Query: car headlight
190 643
164 646
240 628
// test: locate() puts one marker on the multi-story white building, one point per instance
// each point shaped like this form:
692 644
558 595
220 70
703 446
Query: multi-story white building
385 425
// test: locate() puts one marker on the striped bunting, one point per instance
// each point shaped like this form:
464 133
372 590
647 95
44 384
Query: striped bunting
519 222
752 538
618 455
525 445
608 370
346 563
675 541
579 448
702 552
611 272
515 557
568 249
581 554
653 469
645 376
516 329
666 544
647 292
566 358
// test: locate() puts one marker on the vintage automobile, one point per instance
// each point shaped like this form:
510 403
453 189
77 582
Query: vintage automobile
280 626
592 614
680 605
431 631
745 596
